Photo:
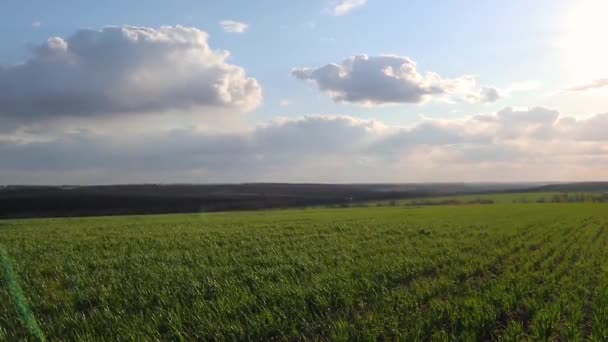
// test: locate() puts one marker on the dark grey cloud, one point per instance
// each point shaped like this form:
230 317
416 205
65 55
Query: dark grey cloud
488 95
322 148
123 70
376 80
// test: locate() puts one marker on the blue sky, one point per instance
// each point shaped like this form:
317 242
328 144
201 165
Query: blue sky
529 54
449 37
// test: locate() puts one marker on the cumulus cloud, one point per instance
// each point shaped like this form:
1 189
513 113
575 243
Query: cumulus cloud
377 80
346 6
596 84
510 123
509 145
232 26
486 95
124 70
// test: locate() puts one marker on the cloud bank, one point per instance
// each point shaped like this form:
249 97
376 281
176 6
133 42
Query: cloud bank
509 145
127 69
377 80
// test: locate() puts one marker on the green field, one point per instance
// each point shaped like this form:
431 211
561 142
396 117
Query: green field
516 197
503 271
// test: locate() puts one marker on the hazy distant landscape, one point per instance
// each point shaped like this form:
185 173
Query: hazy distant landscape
321 170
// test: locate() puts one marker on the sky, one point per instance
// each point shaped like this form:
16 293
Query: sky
334 91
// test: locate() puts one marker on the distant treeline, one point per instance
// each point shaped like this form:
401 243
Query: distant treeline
22 202
568 198
453 201
415 203
57 201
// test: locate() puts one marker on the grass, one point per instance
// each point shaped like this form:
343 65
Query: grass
469 272
18 298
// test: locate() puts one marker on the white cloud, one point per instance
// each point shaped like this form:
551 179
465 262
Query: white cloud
127 69
346 6
389 79
36 24
510 145
232 26
595 84
285 103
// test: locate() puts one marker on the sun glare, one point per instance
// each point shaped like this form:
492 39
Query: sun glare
585 39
